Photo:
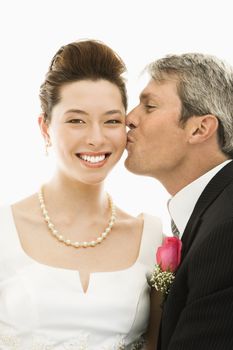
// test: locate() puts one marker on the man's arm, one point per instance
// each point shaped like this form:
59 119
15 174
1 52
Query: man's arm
154 321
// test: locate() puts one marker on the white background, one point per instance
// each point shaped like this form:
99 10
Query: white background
31 31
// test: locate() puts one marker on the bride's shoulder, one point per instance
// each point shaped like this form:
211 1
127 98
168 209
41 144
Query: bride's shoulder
129 220
27 205
151 219
143 220
148 226
152 229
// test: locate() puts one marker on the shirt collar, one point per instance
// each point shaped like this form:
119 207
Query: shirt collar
182 204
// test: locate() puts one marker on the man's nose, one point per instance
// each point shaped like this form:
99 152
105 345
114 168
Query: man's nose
132 119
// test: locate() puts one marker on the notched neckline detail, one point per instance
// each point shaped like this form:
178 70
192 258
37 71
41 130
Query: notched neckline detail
84 286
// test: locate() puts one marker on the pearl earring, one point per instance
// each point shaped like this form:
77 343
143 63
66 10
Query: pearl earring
47 145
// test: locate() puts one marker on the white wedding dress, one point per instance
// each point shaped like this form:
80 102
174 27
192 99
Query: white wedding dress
45 308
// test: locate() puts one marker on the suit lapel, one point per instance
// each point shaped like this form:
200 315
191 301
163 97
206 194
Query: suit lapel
210 193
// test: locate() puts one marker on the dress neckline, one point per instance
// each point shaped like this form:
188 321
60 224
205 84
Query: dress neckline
29 259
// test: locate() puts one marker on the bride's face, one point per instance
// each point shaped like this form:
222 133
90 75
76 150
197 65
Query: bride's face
87 129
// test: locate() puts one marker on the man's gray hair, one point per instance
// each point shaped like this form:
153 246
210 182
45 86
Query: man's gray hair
205 86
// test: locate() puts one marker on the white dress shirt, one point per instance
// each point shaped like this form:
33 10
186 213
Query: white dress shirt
182 204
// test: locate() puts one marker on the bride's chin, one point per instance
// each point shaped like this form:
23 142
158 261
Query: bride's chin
93 179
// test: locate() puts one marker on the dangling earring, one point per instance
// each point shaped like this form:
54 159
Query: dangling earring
47 145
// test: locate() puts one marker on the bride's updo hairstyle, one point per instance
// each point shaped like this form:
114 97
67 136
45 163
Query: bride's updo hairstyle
81 60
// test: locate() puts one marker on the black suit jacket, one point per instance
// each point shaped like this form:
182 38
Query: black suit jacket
198 312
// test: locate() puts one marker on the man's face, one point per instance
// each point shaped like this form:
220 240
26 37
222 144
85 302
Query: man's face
157 142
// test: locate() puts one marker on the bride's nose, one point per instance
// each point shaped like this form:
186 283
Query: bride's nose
95 135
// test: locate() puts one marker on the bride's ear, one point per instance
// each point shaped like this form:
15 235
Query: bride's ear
44 127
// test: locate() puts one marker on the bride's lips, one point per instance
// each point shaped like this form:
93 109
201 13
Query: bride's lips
93 159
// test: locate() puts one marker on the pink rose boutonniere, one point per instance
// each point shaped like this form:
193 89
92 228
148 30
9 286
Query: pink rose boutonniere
168 258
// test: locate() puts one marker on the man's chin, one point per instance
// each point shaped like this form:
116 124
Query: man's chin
132 166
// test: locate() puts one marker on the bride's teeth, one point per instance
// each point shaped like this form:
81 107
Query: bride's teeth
93 159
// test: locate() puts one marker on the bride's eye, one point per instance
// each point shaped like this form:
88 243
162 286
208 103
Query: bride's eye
75 121
113 121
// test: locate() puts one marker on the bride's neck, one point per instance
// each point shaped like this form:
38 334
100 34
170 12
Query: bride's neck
69 196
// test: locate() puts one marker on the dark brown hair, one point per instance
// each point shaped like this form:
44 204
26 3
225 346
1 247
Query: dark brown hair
81 60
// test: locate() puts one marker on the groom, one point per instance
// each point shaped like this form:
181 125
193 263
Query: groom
181 133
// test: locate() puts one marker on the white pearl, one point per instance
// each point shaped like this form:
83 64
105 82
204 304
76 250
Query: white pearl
68 241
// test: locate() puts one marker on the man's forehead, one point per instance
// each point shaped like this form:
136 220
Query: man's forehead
146 93
151 89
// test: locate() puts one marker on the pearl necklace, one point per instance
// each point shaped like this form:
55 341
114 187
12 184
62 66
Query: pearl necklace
67 241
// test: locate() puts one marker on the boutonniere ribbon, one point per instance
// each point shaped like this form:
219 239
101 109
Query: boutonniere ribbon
168 257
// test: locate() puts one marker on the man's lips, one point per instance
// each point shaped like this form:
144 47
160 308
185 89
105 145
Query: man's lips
129 139
130 136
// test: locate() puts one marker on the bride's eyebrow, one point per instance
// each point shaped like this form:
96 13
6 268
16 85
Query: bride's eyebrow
113 111
80 111
77 111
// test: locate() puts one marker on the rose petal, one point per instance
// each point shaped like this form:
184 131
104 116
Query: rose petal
169 254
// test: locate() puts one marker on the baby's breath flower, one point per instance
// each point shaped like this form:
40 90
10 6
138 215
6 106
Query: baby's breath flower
161 280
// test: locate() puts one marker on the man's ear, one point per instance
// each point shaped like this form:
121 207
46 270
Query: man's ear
44 128
202 128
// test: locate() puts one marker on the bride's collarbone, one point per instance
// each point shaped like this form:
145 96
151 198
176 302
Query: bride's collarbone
118 251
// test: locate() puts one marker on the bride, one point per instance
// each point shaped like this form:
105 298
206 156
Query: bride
75 268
